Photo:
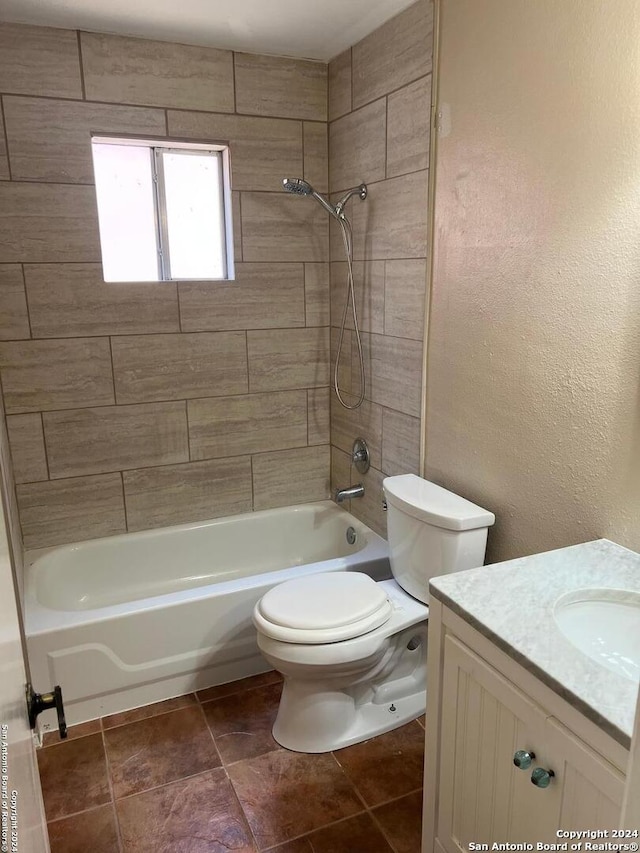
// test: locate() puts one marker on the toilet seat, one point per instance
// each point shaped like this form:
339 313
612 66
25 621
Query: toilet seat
322 608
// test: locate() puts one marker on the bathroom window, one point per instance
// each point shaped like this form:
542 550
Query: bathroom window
164 210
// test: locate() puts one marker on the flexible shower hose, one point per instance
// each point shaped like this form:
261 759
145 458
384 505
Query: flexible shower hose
347 239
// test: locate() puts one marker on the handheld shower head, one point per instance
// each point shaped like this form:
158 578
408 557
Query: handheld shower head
298 186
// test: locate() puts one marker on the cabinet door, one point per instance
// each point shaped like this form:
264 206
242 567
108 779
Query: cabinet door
592 789
483 797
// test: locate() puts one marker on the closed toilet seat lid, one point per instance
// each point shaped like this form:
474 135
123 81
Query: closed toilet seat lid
322 608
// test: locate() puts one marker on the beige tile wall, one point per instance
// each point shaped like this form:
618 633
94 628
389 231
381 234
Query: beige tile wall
379 116
136 405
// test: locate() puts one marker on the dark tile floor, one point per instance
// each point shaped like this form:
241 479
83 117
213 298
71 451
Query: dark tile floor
202 774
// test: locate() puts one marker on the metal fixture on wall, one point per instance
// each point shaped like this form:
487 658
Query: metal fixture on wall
360 456
298 186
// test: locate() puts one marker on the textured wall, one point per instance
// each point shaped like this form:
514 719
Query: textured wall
136 405
379 110
534 356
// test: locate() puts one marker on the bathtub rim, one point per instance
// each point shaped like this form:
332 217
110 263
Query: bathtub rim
40 619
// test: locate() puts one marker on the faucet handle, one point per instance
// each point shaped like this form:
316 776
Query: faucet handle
360 456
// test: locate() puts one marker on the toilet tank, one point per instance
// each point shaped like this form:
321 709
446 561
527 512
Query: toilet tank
431 532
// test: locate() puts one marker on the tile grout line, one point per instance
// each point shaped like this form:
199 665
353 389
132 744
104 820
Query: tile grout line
216 331
253 488
351 86
186 418
304 294
113 373
237 799
374 817
233 82
393 91
261 192
81 812
384 299
213 739
353 785
167 784
377 823
6 141
206 281
149 717
46 452
81 64
126 516
275 847
26 301
235 692
160 107
220 459
181 329
111 789
241 230
386 136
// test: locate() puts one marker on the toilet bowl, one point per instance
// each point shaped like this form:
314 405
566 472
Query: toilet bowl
353 652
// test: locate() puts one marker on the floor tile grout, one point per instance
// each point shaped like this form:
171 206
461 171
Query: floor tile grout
394 799
353 785
194 693
166 784
383 833
82 811
243 813
360 801
317 829
212 736
111 790
141 719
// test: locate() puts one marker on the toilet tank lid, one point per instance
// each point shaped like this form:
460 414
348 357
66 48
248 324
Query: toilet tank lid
433 504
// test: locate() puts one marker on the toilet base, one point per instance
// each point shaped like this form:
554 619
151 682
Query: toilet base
320 715
334 721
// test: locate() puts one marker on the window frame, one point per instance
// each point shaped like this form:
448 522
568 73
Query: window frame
156 146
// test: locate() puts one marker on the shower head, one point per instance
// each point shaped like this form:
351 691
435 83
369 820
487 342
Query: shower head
298 186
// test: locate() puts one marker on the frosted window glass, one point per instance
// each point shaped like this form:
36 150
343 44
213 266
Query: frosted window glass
195 214
126 212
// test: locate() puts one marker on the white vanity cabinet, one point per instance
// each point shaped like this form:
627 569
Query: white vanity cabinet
482 708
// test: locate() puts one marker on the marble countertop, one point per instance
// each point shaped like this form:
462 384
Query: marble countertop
512 604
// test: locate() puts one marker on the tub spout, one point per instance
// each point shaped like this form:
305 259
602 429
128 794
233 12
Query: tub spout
351 492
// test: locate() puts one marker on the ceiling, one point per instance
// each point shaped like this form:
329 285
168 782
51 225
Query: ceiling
311 29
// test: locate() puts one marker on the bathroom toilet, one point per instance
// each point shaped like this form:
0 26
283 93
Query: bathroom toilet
353 652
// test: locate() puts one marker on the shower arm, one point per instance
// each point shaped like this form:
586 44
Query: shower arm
360 191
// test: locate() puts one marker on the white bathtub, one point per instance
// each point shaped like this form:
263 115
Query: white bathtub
127 620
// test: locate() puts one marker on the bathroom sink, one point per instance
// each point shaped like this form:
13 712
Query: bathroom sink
605 625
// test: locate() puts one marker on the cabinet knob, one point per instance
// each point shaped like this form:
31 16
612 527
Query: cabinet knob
522 759
541 778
